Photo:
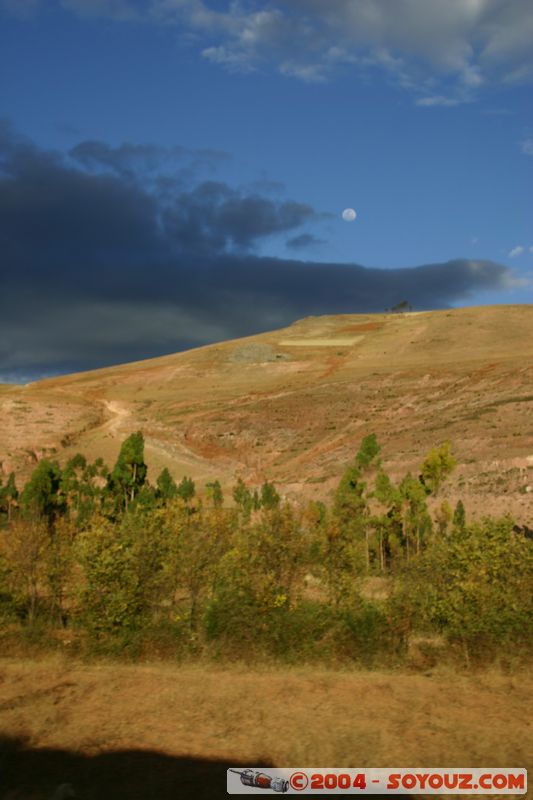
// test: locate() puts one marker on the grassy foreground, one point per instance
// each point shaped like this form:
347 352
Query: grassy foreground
160 730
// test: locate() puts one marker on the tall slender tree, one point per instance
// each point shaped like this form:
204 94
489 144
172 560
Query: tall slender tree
166 486
129 472
42 496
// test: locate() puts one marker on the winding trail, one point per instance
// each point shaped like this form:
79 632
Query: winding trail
118 414
176 452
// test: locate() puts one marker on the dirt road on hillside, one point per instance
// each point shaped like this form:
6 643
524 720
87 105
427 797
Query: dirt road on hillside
119 414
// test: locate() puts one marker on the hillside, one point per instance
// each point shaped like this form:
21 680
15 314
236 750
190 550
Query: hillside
292 405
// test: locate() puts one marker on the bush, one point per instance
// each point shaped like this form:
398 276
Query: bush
474 587
110 597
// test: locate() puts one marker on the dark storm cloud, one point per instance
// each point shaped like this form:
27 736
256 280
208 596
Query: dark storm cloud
304 240
101 264
214 217
128 158
55 217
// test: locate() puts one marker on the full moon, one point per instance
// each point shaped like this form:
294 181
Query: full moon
349 215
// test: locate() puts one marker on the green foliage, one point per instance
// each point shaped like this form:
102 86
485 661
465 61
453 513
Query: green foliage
270 498
353 521
23 553
72 479
475 587
82 486
443 518
459 516
416 522
42 497
341 560
130 566
243 498
196 544
111 595
186 489
368 452
365 634
59 564
129 472
256 580
437 466
214 494
349 499
166 486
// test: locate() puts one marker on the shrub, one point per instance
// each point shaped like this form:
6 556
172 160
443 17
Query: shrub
474 587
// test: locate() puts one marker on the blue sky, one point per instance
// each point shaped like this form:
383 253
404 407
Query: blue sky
250 127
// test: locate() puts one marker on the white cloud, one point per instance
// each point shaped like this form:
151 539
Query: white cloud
234 62
527 147
511 281
471 76
437 100
516 251
457 44
310 73
442 50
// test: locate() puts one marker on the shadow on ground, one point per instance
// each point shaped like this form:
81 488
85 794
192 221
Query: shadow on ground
28 773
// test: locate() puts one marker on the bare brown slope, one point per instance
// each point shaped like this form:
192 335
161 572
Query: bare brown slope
292 405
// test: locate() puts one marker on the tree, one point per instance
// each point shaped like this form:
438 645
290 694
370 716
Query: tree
270 499
459 516
415 517
443 517
474 588
437 466
194 546
59 564
145 500
351 499
42 496
166 486
214 494
76 486
24 547
186 489
389 524
256 581
348 499
92 490
243 497
404 305
368 452
129 472
342 558
110 596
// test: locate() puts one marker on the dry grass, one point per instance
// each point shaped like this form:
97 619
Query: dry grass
297 717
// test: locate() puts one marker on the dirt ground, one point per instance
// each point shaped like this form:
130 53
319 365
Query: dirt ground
167 731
